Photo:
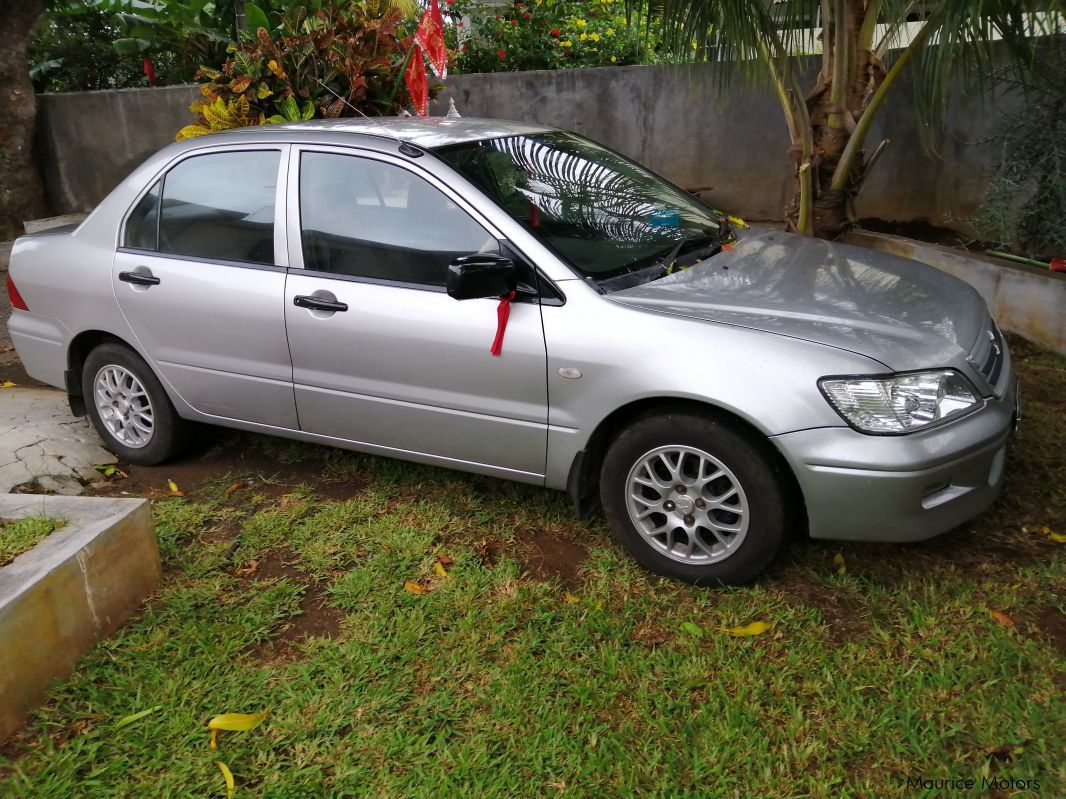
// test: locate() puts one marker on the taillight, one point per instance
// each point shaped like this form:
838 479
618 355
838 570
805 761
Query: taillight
14 296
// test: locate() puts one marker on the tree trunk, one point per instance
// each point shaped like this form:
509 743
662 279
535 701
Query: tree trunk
850 71
21 188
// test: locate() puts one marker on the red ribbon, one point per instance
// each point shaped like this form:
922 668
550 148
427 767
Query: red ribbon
503 312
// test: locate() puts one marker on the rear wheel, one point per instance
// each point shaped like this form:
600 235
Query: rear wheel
128 406
694 499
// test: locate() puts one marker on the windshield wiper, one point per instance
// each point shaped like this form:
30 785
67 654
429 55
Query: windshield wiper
667 260
629 276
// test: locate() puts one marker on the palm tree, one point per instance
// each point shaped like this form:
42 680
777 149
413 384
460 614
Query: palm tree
865 46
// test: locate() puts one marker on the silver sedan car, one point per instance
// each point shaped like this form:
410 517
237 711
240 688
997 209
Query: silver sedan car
518 301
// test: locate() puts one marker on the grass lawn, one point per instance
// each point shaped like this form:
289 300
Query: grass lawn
546 664
19 535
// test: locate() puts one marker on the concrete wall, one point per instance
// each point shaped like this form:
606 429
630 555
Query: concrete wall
675 119
89 141
670 117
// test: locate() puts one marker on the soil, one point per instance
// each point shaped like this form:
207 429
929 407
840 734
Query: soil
546 555
923 230
844 614
1051 624
315 618
218 454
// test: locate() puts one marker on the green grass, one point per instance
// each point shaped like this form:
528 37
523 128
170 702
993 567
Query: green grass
504 681
19 535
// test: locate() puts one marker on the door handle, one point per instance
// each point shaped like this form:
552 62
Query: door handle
139 278
318 304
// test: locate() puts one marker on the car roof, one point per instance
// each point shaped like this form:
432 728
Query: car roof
426 132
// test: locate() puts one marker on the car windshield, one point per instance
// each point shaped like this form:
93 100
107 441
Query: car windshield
607 216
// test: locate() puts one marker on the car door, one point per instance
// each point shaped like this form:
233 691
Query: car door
381 354
197 279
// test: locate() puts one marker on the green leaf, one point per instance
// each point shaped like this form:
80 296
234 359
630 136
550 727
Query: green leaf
255 18
309 110
692 629
125 721
130 46
289 109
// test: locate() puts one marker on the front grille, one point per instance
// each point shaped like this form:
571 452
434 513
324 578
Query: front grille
987 355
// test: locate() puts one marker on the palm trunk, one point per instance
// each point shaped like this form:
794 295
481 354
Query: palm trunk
21 189
834 107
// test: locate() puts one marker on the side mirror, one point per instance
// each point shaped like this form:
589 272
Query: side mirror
471 277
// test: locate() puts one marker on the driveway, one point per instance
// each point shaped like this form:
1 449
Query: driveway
40 441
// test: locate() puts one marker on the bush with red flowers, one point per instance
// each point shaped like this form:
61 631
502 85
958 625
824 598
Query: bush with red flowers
544 34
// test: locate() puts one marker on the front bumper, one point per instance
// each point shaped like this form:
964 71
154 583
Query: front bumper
901 488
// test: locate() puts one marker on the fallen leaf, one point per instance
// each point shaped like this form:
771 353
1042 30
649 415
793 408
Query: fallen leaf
6 349
445 560
125 721
1002 618
571 598
246 569
234 488
1058 538
417 589
839 564
106 469
486 554
439 569
692 629
7 384
227 775
174 490
755 628
237 722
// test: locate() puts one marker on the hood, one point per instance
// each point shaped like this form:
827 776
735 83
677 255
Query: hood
897 311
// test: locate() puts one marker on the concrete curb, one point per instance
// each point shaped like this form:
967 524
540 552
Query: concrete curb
78 585
1023 299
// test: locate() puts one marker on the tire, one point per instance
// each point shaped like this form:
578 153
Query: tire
728 521
128 407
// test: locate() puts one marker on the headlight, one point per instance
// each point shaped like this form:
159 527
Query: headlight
899 403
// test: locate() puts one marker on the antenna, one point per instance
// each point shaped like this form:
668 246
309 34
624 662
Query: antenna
405 147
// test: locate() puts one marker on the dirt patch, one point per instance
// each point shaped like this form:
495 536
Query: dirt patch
315 618
650 634
843 613
548 556
1051 623
219 454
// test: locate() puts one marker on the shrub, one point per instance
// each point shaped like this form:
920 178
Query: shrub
544 34
1024 208
73 50
319 63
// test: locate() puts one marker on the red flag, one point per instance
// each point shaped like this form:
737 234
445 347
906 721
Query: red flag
149 71
503 313
430 35
415 76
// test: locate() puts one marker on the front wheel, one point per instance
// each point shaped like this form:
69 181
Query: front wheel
694 499
128 406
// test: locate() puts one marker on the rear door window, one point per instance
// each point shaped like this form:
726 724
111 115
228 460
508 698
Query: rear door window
219 206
